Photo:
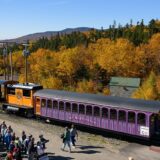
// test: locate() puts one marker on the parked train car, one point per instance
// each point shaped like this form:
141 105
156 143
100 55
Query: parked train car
19 98
138 118
134 117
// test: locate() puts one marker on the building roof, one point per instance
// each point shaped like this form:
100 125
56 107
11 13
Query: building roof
95 99
127 82
28 86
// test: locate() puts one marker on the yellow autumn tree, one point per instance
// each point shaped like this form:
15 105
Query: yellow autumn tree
1 66
153 53
148 90
106 91
18 62
86 87
120 58
42 65
72 62
116 57
53 83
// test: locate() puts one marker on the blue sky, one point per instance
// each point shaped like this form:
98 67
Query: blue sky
21 17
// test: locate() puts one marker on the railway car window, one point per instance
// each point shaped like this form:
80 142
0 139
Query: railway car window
89 110
26 93
11 91
104 112
55 105
68 107
38 101
113 114
49 104
81 109
141 118
74 108
96 112
43 103
131 117
61 106
152 119
122 115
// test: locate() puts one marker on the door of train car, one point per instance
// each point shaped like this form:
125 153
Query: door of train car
155 124
55 110
74 112
96 116
37 106
89 115
49 108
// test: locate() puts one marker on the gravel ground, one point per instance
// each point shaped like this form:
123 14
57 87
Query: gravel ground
89 146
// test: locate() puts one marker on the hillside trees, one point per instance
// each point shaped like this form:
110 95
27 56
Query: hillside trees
148 90
84 62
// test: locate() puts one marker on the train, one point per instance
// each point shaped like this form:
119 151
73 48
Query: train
131 117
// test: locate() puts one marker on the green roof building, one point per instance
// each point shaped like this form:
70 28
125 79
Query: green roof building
123 87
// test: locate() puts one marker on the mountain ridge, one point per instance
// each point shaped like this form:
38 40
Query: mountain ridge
47 34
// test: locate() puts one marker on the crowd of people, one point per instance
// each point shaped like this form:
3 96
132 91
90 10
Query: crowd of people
18 146
25 145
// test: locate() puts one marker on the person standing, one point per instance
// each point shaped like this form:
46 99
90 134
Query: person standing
43 141
3 131
66 139
74 134
31 149
8 139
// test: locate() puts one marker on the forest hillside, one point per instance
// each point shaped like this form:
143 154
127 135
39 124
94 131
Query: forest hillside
85 61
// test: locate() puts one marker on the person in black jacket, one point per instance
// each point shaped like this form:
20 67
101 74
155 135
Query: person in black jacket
31 149
43 141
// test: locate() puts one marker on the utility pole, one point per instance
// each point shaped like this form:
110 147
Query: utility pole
4 61
11 65
26 53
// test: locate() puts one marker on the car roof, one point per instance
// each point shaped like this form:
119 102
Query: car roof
28 86
97 99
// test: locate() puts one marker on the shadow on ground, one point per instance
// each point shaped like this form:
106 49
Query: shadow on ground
88 147
59 158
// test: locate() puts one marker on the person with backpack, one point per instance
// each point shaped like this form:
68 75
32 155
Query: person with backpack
66 139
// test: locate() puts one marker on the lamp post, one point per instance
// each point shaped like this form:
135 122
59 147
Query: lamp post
26 53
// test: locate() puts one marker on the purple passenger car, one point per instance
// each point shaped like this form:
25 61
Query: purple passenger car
129 116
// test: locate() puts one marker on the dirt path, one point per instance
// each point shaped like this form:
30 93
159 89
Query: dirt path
89 146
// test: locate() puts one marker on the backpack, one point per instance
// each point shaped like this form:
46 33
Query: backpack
62 136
